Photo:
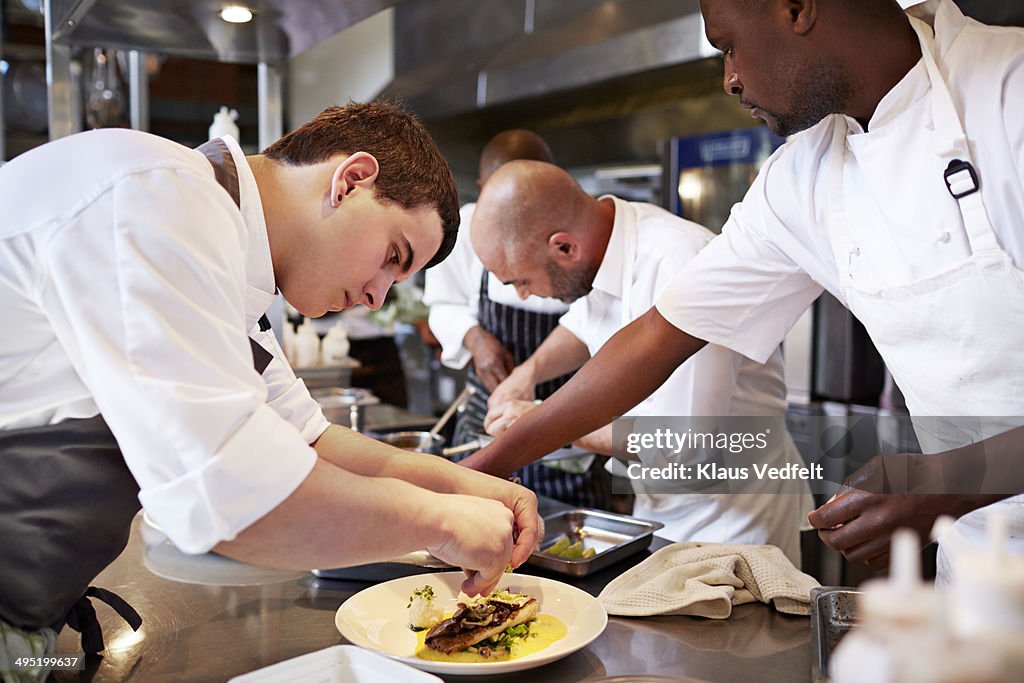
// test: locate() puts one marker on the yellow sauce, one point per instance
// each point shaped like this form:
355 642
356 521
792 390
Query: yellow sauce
544 630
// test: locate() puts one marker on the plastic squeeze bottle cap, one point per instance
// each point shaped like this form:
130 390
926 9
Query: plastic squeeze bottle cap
335 346
307 346
224 123
988 585
898 615
903 600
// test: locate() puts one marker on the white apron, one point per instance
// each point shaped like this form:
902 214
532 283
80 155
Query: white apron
947 338
754 518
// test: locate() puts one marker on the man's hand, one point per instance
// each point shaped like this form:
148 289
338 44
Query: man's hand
522 503
518 386
500 418
491 360
890 492
478 537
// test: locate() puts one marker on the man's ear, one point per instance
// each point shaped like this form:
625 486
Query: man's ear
801 15
563 247
356 170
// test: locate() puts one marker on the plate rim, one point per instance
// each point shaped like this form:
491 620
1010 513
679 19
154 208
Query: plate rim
480 668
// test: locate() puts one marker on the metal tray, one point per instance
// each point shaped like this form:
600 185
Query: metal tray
833 614
420 562
612 536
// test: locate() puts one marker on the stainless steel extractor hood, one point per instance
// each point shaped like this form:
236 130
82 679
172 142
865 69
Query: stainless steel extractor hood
459 55
279 29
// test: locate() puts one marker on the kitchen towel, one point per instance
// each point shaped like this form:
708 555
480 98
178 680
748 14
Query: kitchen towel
706 580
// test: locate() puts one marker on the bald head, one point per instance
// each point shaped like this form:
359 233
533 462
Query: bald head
508 146
534 227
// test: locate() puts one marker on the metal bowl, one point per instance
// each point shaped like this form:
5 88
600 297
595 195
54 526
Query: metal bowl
345 405
420 442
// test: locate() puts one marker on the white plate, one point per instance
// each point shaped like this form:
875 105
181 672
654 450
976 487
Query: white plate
209 569
163 558
375 618
337 664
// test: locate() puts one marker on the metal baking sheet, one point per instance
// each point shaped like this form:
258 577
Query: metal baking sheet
612 536
833 614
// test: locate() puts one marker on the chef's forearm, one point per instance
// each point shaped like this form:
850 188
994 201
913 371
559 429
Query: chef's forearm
993 467
559 354
364 456
326 523
598 441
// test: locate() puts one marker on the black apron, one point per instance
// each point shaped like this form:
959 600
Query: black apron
67 500
521 332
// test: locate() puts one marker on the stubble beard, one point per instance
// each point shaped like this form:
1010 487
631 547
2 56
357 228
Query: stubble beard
827 91
569 285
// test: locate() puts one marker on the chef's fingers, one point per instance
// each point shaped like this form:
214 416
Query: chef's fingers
484 580
874 552
879 562
838 511
491 378
528 525
479 584
497 427
870 524
508 363
501 418
492 415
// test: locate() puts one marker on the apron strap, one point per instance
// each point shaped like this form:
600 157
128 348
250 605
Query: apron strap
837 227
82 617
218 154
961 175
225 172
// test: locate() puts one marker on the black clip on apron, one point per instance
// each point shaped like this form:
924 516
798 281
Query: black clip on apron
67 500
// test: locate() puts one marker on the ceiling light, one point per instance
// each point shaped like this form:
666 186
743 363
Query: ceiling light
236 14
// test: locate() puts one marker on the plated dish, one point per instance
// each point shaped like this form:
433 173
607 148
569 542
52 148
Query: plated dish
377 618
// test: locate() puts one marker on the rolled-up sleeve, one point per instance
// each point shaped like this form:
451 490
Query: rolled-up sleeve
287 395
146 292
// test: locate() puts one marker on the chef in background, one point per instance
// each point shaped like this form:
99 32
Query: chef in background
481 321
138 365
901 192
537 230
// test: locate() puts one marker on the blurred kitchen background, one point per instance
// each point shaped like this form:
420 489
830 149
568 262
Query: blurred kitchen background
627 92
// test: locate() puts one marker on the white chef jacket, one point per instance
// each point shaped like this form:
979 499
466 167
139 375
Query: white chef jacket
716 382
452 292
129 281
748 288
776 252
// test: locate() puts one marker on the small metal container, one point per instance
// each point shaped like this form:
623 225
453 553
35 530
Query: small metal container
833 614
345 406
419 442
614 537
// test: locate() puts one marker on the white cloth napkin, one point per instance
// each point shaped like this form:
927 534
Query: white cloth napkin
707 579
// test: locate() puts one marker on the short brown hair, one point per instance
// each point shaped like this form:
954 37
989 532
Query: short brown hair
412 173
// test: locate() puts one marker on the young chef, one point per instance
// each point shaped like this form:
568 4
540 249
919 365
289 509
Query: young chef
537 230
907 205
476 317
134 277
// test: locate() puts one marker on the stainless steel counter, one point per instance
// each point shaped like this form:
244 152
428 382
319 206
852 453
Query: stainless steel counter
194 632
